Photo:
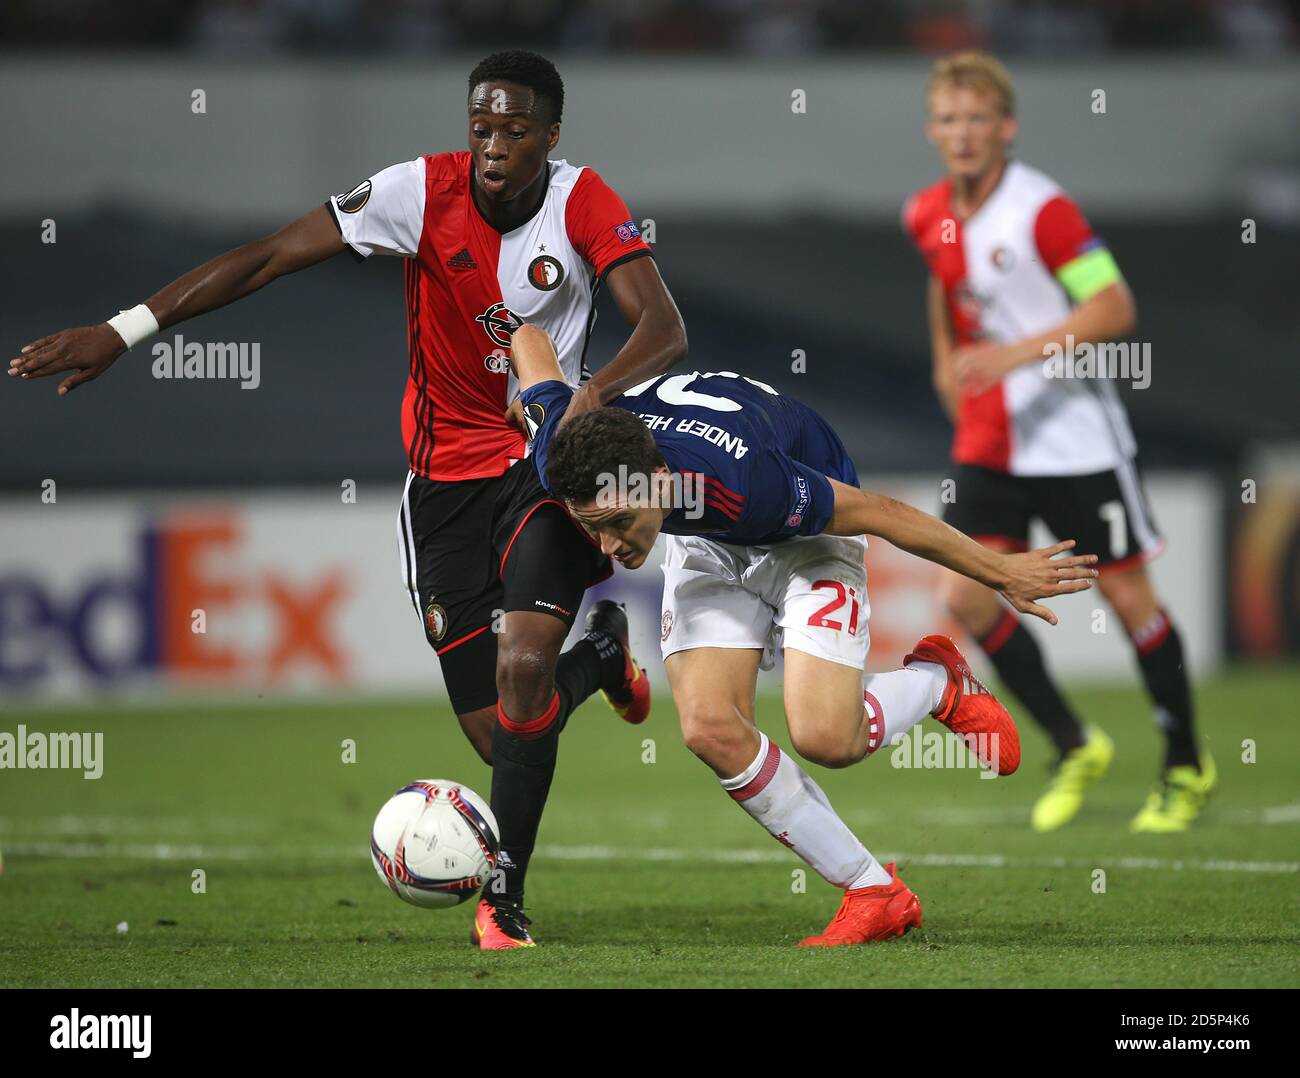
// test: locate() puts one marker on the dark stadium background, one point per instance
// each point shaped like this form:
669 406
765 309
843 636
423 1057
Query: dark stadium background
832 276
776 231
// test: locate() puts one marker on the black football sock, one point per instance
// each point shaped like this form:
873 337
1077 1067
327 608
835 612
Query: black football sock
1159 651
609 652
1016 656
523 762
522 768
578 674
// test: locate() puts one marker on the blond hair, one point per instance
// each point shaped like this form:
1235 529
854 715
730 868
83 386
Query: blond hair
974 70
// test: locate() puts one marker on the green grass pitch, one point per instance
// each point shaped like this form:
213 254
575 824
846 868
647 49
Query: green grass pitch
647 874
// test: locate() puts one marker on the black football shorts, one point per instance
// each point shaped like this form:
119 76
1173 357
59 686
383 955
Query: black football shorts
1106 513
473 550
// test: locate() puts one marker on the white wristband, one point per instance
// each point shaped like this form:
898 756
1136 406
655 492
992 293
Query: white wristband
135 325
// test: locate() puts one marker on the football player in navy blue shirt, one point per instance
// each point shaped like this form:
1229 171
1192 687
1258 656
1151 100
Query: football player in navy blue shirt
766 527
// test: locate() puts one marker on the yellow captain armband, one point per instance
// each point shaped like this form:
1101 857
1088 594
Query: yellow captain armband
1085 276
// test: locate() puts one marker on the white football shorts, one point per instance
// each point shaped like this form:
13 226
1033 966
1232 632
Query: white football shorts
808 593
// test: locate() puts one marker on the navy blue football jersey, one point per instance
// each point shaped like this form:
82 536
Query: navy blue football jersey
760 460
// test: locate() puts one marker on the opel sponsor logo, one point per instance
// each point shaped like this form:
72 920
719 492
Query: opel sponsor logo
499 322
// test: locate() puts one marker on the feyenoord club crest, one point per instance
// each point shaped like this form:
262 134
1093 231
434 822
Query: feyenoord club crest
545 273
499 323
435 622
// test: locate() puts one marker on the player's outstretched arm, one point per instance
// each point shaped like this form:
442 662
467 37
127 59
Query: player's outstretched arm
91 350
657 342
1021 578
532 355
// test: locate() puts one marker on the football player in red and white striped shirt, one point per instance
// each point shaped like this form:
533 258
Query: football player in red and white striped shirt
1017 274
493 237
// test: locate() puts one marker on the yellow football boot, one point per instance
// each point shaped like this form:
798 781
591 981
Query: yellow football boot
1179 800
1078 769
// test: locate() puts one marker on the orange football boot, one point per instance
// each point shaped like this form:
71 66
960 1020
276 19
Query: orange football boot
882 912
969 710
631 699
499 928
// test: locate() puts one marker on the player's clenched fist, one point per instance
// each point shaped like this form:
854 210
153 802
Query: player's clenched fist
88 350
1040 574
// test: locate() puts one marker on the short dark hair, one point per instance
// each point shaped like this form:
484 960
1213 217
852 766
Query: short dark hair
593 445
527 69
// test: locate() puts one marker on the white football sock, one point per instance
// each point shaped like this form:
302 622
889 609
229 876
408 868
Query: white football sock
898 700
779 794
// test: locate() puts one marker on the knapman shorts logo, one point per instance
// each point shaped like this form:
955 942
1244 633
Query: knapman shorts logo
435 622
356 198
499 323
665 625
545 273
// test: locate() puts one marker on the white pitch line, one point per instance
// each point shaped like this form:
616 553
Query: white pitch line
183 828
197 852
1281 814
985 816
170 826
933 860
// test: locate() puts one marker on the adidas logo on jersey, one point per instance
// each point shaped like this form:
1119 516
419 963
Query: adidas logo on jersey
462 259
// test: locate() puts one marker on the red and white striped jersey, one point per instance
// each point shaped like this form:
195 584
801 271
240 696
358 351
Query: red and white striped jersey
1007 272
468 287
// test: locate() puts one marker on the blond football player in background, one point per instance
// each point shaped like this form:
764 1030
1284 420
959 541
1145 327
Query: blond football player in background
1017 277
